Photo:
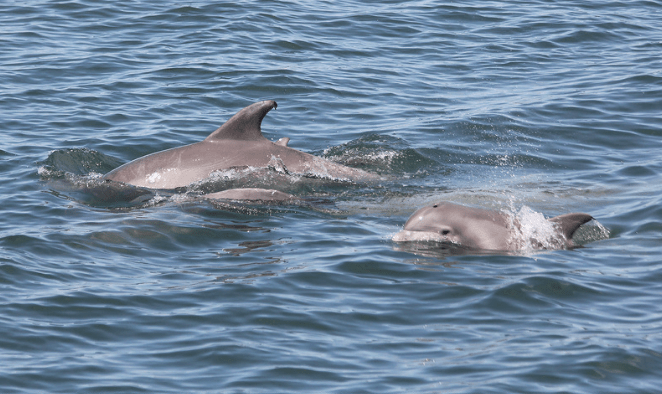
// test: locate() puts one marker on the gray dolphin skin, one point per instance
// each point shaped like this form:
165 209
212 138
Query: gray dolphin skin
254 194
237 143
478 228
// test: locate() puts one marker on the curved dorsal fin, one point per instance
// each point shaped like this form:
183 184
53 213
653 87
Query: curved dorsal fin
245 124
283 141
570 222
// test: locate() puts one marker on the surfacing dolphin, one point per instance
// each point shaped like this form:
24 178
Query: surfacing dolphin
237 143
483 229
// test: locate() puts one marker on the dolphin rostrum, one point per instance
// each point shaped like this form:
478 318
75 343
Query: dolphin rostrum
483 229
237 143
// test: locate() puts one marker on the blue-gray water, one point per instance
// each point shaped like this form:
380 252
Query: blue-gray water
555 106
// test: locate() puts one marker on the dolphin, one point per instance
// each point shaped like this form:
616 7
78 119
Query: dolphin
237 143
481 228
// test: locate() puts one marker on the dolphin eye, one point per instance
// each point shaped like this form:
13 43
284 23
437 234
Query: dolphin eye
445 232
435 205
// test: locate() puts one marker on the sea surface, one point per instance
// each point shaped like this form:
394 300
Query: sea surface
528 107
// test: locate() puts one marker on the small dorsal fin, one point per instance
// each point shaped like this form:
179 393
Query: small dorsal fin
283 141
570 222
245 124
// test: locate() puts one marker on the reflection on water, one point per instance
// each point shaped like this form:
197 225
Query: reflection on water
442 250
248 246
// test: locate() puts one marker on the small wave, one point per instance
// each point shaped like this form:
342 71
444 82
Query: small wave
380 153
79 161
76 173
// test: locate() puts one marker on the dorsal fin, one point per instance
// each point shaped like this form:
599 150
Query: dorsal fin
283 141
245 124
570 222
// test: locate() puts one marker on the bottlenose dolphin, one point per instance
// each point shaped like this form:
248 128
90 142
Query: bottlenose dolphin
482 229
237 143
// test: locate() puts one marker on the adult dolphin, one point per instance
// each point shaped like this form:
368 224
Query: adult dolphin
237 143
480 228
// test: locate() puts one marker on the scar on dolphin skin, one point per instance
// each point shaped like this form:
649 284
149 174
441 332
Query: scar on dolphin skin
237 143
481 228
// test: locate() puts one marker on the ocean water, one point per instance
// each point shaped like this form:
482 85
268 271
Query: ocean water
521 106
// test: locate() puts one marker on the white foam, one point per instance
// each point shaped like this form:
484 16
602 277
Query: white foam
531 230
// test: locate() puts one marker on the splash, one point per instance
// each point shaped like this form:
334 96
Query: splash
277 164
532 231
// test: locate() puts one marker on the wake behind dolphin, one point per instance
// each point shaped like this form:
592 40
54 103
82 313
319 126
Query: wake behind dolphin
237 143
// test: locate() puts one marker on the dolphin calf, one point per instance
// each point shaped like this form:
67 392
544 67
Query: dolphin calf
483 229
237 143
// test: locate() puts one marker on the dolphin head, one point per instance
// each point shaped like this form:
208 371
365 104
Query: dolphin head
434 222
466 226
